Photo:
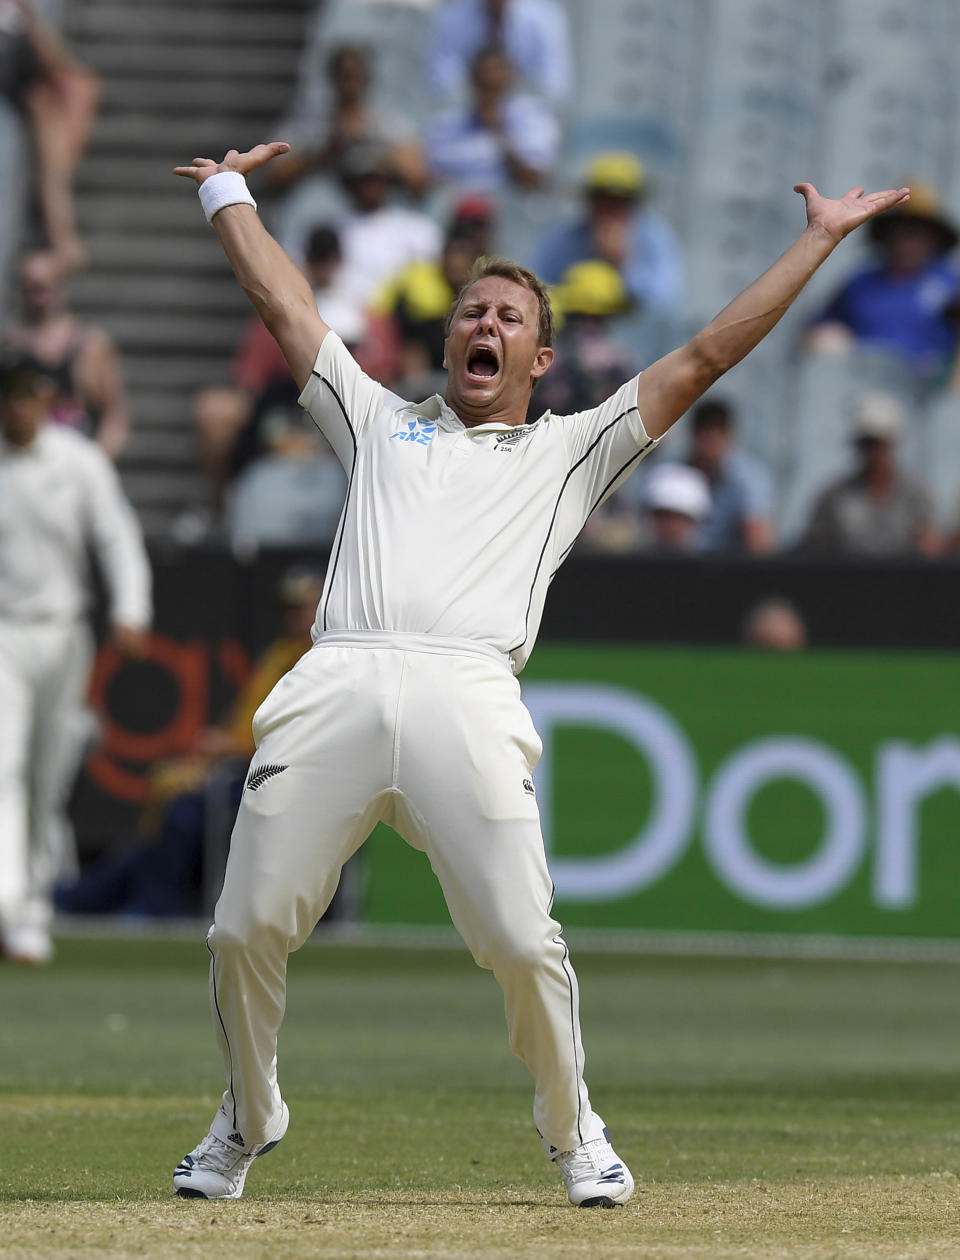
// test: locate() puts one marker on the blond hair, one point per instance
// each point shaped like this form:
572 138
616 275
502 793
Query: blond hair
491 265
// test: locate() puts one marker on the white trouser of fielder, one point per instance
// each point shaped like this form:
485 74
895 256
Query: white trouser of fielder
44 667
431 736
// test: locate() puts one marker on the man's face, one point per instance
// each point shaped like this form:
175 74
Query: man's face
24 403
493 353
673 531
876 454
710 445
41 290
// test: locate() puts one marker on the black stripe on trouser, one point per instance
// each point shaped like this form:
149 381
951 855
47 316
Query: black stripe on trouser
558 940
213 985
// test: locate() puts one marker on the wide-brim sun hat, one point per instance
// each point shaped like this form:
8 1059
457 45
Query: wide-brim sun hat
924 207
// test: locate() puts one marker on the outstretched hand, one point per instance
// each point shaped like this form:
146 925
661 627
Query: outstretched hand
202 168
839 217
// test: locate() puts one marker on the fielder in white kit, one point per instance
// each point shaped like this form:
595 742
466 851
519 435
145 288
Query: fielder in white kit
407 709
59 496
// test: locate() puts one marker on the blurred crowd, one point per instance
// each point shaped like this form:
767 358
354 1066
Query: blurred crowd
387 217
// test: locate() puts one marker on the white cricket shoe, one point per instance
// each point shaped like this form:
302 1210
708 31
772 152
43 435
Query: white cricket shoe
594 1174
27 943
217 1168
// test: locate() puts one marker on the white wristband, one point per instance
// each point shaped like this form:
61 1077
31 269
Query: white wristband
227 188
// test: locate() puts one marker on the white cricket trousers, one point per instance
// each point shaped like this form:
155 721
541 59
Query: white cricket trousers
44 667
431 736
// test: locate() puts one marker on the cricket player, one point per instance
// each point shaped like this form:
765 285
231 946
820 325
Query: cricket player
407 708
59 496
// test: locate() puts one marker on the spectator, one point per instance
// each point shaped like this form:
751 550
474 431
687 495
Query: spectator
675 499
321 143
877 510
590 362
619 228
291 497
378 238
500 138
774 625
410 313
233 422
81 359
905 300
533 34
59 98
741 490
164 876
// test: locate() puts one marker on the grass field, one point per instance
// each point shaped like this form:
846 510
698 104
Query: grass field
801 1109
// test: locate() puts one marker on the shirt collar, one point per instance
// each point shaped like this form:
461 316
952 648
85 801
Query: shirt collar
436 409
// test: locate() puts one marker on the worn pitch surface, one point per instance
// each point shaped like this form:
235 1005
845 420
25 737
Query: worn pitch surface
789 1108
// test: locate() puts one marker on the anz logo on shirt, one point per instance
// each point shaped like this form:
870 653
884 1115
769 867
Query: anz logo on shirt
422 432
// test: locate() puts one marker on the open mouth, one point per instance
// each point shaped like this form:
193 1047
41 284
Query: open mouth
482 363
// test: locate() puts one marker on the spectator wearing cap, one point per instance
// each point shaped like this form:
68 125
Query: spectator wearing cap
905 300
741 489
877 510
320 143
590 361
618 227
674 501
500 138
409 314
533 33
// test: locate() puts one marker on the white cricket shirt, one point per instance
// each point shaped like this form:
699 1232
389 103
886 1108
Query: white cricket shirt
58 497
451 530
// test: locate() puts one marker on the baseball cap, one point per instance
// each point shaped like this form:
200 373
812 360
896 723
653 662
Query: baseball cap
877 415
677 488
590 288
617 174
472 208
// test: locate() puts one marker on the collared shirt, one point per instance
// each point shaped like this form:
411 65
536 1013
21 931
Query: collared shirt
58 497
742 491
535 36
461 148
454 530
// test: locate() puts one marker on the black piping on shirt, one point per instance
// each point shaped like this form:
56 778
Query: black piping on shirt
328 585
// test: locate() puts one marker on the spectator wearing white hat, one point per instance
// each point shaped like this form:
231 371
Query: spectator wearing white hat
676 499
877 510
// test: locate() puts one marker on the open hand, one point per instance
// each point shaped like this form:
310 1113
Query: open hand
838 218
202 168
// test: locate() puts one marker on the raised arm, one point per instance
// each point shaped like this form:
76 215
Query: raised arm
672 384
271 280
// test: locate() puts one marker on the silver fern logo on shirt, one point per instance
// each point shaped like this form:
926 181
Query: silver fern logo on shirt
420 432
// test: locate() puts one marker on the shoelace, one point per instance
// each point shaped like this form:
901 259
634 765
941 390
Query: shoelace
218 1155
584 1161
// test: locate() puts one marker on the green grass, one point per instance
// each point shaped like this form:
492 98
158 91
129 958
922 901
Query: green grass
791 1108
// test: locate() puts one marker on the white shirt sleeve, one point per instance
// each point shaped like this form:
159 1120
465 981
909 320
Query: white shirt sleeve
117 542
341 399
605 445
